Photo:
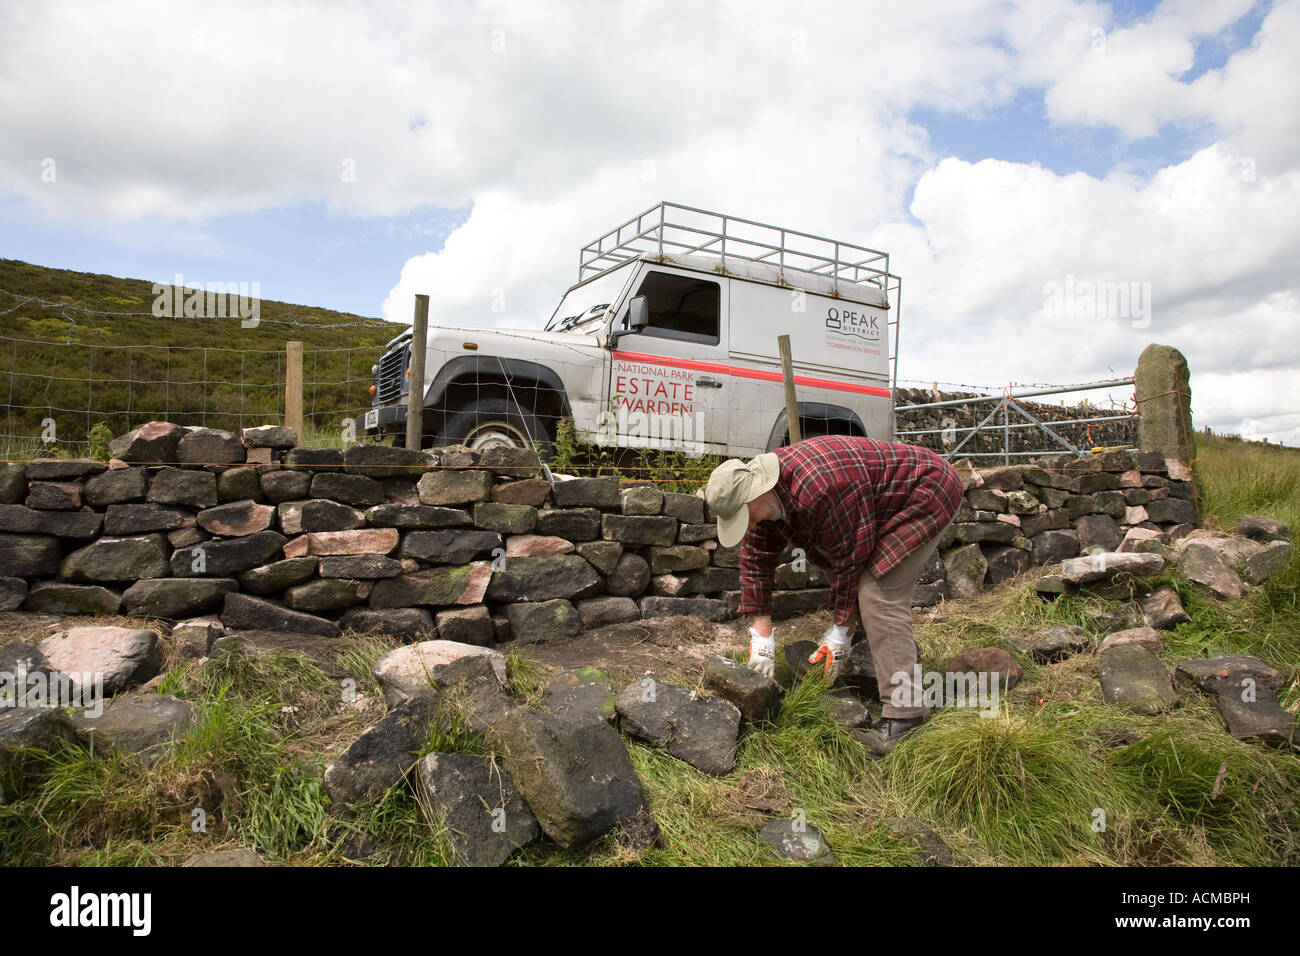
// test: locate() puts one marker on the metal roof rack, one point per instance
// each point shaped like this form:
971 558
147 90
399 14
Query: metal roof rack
668 230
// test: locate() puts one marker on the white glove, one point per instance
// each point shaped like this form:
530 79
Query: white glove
762 652
834 650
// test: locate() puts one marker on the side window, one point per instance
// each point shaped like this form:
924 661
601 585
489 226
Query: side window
682 307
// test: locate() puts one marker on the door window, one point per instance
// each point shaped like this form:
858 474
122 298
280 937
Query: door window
682 307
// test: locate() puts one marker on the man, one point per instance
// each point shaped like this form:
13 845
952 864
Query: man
870 513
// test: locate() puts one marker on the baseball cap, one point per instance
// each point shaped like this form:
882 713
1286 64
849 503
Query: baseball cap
734 484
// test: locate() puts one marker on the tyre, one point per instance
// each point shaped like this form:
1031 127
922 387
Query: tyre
498 421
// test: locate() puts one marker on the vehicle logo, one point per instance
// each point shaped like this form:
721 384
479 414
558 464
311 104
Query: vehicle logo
848 322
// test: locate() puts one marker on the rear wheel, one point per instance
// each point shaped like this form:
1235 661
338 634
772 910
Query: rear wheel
498 421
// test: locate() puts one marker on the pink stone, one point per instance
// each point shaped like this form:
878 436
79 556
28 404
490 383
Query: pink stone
1177 470
115 463
1009 519
1131 479
480 573
297 547
358 541
534 545
258 456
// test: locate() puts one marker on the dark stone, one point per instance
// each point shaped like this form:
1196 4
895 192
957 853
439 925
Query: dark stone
281 486
62 469
587 493
601 555
236 518
416 516
1133 677
443 488
181 486
409 623
322 515
324 594
152 443
702 731
541 621
584 694
381 756
573 524
54 495
1098 531
356 490
239 484
30 555
19 519
603 611
1053 546
25 733
270 436
13 591
985 532
277 576
118 559
485 817
176 598
450 547
639 529
210 446
145 519
758 698
710 609
688 509
1051 643
366 567
1167 510
138 724
575 775
116 486
435 587
226 558
543 578
987 660
381 461
511 462
467 625
508 519
529 491
798 842
52 597
630 578
314 459
245 612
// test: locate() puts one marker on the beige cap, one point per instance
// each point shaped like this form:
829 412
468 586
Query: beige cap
734 484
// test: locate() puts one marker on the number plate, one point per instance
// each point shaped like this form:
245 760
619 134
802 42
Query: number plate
372 418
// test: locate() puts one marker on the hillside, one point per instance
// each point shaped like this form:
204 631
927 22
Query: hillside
83 348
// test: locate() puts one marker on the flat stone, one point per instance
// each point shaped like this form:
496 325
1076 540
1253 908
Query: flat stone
544 578
987 660
758 698
30 555
182 486
587 493
19 519
574 524
528 491
1145 637
360 541
541 621
314 459
798 842
236 518
511 462
1051 643
270 436
507 519
536 545
485 816
122 655
688 509
383 461
583 694
1203 565
282 486
1163 609
138 724
701 731
454 487
435 587
575 775
607 610
638 529
176 598
365 567
277 576
116 486
210 446
54 495
152 443
381 756
245 612
322 515
408 623
13 592
110 560
238 857
356 490
965 569
416 517
709 609
1104 565
1269 563
225 558
1263 528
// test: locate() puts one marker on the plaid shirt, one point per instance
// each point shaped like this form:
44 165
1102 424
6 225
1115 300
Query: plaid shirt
852 504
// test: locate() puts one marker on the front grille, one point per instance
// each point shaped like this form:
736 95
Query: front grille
390 380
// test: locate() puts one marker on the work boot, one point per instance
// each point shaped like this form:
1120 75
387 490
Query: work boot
880 739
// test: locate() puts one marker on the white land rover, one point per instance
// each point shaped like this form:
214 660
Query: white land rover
669 341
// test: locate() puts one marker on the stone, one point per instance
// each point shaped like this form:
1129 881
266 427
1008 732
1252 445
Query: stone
365 567
314 459
25 733
409 623
19 519
670 585
13 592
1245 691
245 612
986 499
237 857
181 486
541 621
116 487
136 519
987 660
709 609
529 491
1104 565
544 578
1163 609
575 524
210 446
1268 563
356 490
108 560
702 731
52 597
450 547
802 844
986 532
845 710
30 555
454 487
696 533
383 461
603 611
713 580
1167 510
675 558
536 545
630 578
507 519
139 724
359 541
277 576
688 509
485 817
471 625
381 756
583 694
587 493
1097 482
279 487
1097 532
425 669
270 436
964 572
416 517
757 698
639 529
13 482
1004 564
1004 478
121 655
1202 564
152 443
1262 528
176 598
325 594
1053 546
54 495
193 639
641 500
1112 504
435 587
511 462
1051 643
63 469
225 558
236 518
575 775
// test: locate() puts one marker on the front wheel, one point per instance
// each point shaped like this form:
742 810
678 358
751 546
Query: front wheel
499 421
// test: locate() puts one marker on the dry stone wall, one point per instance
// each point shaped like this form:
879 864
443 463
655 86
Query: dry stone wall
477 548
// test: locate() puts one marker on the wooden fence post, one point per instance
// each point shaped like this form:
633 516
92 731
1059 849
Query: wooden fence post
415 394
791 403
293 388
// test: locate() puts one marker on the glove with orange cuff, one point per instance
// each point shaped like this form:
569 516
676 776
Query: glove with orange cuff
834 652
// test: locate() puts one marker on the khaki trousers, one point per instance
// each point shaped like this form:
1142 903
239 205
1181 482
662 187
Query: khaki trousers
886 608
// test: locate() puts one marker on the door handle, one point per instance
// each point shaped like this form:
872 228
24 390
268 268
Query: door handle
708 383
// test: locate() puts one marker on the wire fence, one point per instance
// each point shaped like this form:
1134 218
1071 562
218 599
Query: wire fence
56 393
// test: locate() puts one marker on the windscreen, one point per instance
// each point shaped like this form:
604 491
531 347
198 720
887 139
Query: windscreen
589 302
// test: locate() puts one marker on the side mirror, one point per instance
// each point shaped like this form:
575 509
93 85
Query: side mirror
638 317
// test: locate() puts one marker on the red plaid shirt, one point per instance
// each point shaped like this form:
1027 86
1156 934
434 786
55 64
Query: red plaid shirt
852 504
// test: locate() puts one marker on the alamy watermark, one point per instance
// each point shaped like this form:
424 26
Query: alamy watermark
215 300
23 687
1100 299
948 689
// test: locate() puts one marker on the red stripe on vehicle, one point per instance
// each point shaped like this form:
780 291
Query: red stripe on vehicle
741 372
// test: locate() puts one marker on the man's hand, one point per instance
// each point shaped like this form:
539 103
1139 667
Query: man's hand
762 651
834 650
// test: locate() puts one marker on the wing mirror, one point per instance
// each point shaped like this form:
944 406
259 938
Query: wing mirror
638 317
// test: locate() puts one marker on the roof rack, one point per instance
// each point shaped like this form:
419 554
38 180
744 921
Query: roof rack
669 230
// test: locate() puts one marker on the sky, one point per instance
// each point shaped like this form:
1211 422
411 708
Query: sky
1012 157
